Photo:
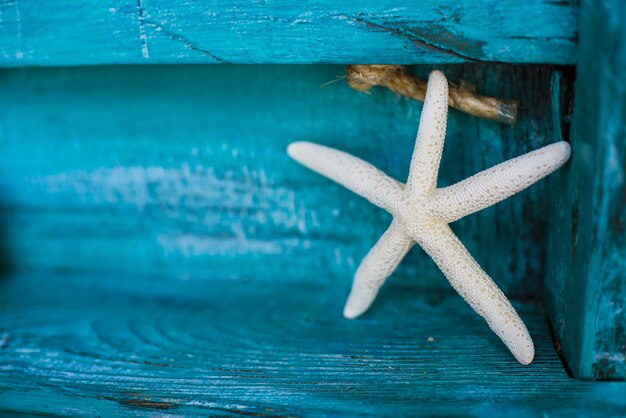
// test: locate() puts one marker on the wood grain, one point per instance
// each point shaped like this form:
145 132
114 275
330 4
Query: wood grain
236 348
162 255
586 267
181 173
88 32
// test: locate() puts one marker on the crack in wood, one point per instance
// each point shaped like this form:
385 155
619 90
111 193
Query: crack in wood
142 30
142 403
414 39
182 39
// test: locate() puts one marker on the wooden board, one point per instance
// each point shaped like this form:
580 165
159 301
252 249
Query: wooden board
586 267
161 254
88 32
181 172
75 345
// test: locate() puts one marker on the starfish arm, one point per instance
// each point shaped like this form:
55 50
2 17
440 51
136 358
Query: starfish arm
477 288
351 172
497 183
430 137
376 267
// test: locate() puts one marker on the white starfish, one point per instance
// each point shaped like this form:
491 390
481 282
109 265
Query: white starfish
421 214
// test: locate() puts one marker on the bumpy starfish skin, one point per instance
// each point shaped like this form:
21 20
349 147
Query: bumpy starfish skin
421 214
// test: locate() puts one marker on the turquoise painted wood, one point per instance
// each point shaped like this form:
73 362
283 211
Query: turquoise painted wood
163 255
87 32
76 345
179 172
587 251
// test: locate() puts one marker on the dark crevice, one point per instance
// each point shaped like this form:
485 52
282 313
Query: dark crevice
415 39
558 348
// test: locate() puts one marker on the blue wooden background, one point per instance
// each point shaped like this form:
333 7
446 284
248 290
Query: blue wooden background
85 32
162 254
182 173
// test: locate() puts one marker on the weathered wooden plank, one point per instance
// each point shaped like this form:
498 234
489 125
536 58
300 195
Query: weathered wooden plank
88 32
182 171
587 250
236 348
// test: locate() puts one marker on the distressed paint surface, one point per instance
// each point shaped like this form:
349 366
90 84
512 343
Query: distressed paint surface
231 348
587 250
87 32
178 172
161 253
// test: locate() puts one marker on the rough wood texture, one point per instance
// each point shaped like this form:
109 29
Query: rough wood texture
181 171
162 254
88 32
587 263
249 349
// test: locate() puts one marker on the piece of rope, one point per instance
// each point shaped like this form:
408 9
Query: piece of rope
398 79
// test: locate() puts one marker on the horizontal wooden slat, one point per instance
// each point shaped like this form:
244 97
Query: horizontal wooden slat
180 171
70 345
87 32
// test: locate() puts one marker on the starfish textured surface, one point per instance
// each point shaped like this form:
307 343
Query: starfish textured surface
421 214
